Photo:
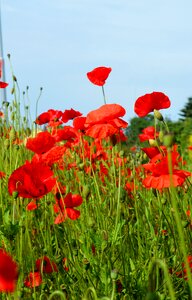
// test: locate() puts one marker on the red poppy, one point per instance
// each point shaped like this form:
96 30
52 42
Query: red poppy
151 151
50 116
2 174
147 103
54 155
3 84
70 114
8 272
66 133
148 133
104 114
65 267
42 143
183 273
105 121
101 131
65 208
32 180
32 205
33 279
79 123
99 75
45 265
159 176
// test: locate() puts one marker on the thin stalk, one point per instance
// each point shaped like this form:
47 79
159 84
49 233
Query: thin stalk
104 98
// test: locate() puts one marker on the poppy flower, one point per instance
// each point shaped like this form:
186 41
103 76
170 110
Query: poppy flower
105 121
104 114
32 205
8 272
65 208
45 265
70 114
3 85
51 116
183 273
1 114
79 123
2 174
99 75
34 279
159 175
101 131
151 152
42 143
147 103
66 133
54 155
148 133
32 180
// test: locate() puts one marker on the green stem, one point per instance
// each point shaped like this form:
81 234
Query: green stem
178 221
104 98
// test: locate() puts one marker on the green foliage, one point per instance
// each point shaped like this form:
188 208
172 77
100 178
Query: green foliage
135 127
186 112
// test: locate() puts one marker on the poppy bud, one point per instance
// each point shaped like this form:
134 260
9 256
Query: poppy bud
86 264
114 274
161 135
14 78
81 166
7 143
12 90
12 134
153 143
121 153
12 116
86 191
158 115
185 224
163 200
15 194
9 55
168 140
6 103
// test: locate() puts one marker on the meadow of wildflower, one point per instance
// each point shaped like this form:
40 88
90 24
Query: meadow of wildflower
85 216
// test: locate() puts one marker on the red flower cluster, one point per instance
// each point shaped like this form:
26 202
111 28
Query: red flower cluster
55 118
158 173
183 273
43 265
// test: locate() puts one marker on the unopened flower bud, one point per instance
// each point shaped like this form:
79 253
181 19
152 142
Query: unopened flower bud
158 115
15 194
168 140
161 135
153 143
114 274
14 78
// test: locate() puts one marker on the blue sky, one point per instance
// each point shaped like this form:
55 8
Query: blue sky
54 43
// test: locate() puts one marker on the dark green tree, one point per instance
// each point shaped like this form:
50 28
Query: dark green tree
186 112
